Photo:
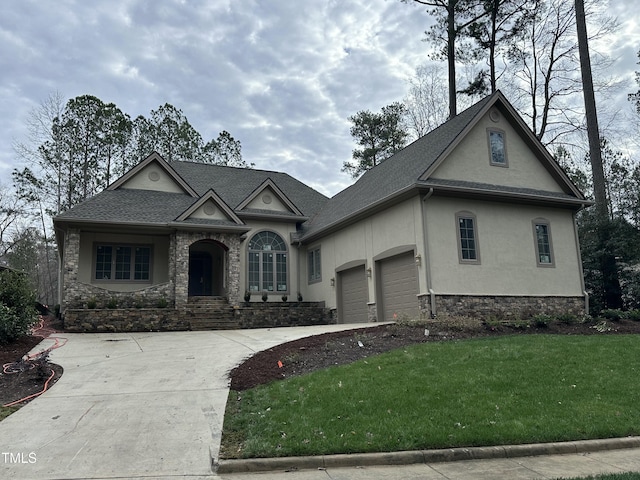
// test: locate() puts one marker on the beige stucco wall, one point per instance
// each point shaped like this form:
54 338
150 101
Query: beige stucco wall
216 213
469 161
160 258
268 200
153 177
397 226
507 250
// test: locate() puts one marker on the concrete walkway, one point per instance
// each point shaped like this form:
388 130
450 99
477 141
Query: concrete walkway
151 405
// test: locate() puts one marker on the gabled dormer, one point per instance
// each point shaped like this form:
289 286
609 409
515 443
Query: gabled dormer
155 174
210 207
267 197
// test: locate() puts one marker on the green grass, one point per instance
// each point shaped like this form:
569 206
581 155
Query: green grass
502 390
6 411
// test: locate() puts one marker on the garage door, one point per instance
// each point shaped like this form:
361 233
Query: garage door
399 286
353 295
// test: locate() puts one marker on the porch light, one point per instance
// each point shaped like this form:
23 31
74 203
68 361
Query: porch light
369 272
332 282
418 260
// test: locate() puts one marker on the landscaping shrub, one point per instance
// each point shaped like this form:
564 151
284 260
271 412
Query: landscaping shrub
17 305
611 314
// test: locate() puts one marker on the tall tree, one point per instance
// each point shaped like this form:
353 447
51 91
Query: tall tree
493 33
612 292
452 18
175 138
544 70
426 101
224 150
379 134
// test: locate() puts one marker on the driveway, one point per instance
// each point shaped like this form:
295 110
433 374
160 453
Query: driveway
133 405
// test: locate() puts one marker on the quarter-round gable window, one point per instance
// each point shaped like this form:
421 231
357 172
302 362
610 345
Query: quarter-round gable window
268 263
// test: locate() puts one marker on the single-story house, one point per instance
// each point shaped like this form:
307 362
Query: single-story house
475 217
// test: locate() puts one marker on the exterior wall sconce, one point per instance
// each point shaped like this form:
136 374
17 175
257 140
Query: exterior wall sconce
332 282
369 272
418 260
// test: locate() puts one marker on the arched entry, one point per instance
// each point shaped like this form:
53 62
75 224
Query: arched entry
207 266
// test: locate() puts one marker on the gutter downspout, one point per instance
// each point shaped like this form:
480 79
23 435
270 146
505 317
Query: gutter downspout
427 257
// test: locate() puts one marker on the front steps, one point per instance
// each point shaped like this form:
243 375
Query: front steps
210 313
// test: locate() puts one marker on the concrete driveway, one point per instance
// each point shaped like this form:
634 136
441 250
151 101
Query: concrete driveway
133 405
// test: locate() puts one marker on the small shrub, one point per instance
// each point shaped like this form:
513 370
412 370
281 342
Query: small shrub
284 298
492 323
247 296
162 303
614 315
541 320
112 303
634 315
299 296
520 324
265 296
17 306
567 318
602 327
92 303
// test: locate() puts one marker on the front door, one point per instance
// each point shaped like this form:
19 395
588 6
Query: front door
200 274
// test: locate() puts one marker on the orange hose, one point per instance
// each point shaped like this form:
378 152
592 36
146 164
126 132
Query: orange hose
46 385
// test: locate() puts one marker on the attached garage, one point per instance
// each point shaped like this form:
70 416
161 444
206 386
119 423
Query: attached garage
352 295
398 287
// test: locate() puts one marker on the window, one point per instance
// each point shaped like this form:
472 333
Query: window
467 238
542 236
123 263
314 268
267 263
497 148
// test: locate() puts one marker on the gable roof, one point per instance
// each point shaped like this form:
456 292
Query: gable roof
409 170
227 187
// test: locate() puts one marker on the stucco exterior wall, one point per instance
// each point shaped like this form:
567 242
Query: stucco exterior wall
399 226
506 246
470 160
153 177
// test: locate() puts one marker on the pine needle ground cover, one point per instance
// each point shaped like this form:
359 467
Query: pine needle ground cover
492 391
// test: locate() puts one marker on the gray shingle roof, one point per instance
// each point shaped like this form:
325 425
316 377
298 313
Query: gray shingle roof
231 184
394 174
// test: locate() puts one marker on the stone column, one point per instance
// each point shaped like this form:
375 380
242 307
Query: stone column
70 266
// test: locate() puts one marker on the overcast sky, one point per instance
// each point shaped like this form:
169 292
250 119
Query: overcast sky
282 76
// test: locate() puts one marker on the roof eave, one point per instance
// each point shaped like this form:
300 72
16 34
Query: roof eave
364 212
275 216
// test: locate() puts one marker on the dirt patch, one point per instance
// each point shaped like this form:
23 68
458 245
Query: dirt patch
22 378
313 353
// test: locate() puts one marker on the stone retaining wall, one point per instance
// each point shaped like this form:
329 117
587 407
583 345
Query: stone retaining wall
81 295
501 306
254 315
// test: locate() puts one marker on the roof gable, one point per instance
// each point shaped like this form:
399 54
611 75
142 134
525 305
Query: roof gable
155 174
267 196
210 207
413 168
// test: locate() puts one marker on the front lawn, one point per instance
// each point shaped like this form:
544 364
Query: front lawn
492 391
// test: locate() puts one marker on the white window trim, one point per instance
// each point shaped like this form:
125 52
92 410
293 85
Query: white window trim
310 255
504 146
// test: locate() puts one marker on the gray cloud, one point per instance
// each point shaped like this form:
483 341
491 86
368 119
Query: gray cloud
281 76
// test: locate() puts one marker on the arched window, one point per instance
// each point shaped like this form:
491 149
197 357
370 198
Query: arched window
267 263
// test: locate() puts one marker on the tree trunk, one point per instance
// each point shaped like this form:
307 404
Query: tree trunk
451 58
612 294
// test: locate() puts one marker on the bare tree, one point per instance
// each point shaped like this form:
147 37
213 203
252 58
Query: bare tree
452 18
545 70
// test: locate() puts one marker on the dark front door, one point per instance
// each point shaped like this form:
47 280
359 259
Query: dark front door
200 274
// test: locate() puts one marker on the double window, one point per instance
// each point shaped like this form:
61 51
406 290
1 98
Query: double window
467 238
267 263
123 263
313 265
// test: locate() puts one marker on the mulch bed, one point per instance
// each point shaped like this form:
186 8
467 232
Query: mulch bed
31 376
313 353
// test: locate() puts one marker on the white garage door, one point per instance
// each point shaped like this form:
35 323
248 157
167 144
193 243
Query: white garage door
353 295
399 287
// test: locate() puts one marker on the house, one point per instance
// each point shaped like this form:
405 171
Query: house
473 218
